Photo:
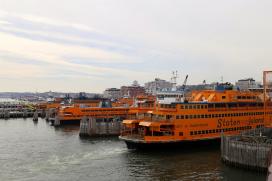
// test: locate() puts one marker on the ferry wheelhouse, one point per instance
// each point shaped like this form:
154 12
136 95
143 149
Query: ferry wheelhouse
205 116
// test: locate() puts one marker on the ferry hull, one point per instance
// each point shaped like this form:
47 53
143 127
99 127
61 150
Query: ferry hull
140 145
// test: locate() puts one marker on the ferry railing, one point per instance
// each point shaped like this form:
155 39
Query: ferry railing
133 133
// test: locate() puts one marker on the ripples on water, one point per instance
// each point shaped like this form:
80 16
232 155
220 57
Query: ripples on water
39 151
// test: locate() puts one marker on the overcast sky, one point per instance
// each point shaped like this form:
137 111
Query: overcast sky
90 45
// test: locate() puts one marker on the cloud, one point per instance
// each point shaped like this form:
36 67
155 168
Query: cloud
119 41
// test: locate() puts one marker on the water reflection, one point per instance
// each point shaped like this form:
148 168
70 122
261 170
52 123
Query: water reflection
68 128
179 164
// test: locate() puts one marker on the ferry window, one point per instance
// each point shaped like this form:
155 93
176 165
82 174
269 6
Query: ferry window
206 116
194 107
177 117
198 106
223 115
209 116
216 115
243 97
181 117
203 132
202 116
180 133
191 133
212 115
238 97
198 116
199 132
210 131
186 116
206 106
195 132
190 116
216 130
202 106
223 97
206 131
190 107
219 115
210 105
226 115
194 116
181 107
213 131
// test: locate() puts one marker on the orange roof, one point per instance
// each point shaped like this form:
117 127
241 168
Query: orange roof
145 123
130 121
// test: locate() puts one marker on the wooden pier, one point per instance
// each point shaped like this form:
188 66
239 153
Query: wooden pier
251 149
100 127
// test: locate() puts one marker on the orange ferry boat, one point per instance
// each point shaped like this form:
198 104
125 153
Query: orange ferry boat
205 116
121 109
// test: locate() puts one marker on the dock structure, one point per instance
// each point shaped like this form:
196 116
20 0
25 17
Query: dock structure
15 110
251 149
35 116
90 126
50 114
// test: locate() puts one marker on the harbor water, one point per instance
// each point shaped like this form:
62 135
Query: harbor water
38 151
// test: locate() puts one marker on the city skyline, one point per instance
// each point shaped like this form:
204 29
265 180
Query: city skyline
90 46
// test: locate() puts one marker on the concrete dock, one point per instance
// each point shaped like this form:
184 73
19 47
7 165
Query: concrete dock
251 149
100 127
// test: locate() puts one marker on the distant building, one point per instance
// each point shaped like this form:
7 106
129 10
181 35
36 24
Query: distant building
247 84
157 85
132 91
112 93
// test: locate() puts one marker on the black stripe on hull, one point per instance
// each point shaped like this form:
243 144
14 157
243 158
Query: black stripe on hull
201 144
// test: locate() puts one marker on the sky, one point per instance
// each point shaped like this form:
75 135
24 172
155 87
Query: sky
91 45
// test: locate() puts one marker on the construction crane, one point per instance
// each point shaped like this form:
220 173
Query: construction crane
184 83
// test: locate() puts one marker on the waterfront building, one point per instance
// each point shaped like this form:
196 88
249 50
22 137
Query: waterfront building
157 85
132 91
247 84
112 93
